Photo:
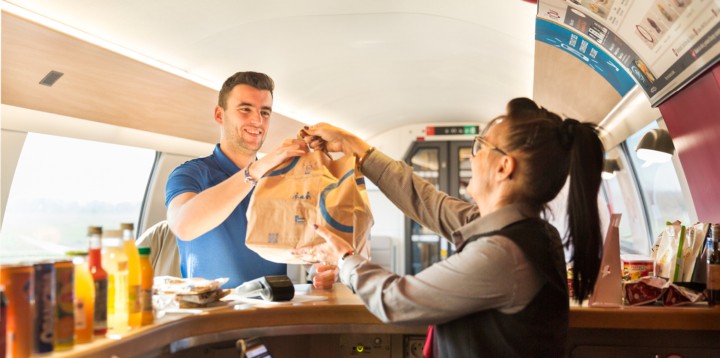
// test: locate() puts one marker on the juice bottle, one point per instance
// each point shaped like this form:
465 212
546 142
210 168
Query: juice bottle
134 303
3 321
116 265
100 281
146 282
712 250
84 298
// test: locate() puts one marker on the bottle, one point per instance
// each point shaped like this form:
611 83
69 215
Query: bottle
3 321
116 265
100 281
134 303
146 282
713 266
84 297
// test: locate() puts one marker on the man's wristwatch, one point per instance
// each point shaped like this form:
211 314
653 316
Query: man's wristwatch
248 177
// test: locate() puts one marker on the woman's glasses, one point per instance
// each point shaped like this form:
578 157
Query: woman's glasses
480 141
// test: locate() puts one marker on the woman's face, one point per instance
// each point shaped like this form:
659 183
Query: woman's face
483 164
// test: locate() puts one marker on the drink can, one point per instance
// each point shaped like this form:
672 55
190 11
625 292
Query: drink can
65 295
43 337
19 291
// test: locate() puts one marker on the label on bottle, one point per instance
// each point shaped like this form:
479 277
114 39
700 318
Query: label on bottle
80 321
134 304
147 300
101 305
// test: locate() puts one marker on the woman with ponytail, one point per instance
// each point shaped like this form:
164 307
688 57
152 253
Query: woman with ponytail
504 293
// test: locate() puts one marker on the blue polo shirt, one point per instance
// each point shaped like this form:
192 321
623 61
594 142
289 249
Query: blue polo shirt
221 252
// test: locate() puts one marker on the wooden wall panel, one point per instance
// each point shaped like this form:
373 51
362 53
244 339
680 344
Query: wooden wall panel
104 86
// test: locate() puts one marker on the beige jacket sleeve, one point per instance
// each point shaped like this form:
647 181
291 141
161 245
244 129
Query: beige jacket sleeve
416 197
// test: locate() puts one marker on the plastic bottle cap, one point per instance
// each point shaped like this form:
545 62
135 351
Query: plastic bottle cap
144 250
76 253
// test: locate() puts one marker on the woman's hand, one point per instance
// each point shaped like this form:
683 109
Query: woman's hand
325 276
333 139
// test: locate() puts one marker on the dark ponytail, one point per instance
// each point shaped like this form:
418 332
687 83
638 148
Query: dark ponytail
549 149
586 161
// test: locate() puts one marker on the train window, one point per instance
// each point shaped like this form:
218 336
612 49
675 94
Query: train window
659 187
619 190
62 185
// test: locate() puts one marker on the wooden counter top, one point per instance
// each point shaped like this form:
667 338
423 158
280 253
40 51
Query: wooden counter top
343 312
698 317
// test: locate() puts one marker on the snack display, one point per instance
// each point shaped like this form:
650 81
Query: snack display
651 289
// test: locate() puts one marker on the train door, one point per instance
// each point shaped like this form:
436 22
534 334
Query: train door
446 165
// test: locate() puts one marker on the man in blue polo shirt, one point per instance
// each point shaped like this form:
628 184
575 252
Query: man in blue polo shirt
207 198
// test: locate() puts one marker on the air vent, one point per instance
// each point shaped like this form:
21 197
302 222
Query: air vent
51 78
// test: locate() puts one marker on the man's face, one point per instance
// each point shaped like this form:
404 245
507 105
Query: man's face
246 117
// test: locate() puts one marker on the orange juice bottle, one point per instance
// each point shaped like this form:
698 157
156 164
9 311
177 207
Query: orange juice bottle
146 282
84 298
134 303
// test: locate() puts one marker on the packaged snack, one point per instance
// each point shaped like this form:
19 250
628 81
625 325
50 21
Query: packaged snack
636 266
677 296
643 291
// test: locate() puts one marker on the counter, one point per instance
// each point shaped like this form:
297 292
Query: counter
341 313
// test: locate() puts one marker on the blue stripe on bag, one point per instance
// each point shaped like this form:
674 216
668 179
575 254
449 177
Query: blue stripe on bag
283 170
323 209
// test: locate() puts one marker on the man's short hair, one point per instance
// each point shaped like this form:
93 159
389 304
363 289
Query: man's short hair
256 80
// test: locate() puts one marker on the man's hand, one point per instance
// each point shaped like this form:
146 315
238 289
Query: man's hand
288 149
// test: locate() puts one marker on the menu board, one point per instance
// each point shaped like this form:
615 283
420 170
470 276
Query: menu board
663 44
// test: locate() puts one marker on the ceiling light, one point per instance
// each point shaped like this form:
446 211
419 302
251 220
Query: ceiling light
655 146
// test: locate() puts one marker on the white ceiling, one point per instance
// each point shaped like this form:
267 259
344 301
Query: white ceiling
368 66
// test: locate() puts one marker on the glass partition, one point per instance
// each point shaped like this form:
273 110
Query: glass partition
659 186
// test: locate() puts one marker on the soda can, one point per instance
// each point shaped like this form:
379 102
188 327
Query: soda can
19 291
65 296
43 337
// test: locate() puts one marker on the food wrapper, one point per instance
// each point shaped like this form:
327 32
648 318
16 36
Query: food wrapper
194 300
191 292
678 296
643 291
177 285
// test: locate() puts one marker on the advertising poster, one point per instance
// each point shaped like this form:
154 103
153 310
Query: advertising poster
663 44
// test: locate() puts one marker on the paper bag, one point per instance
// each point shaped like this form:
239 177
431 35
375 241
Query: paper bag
310 189
608 289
